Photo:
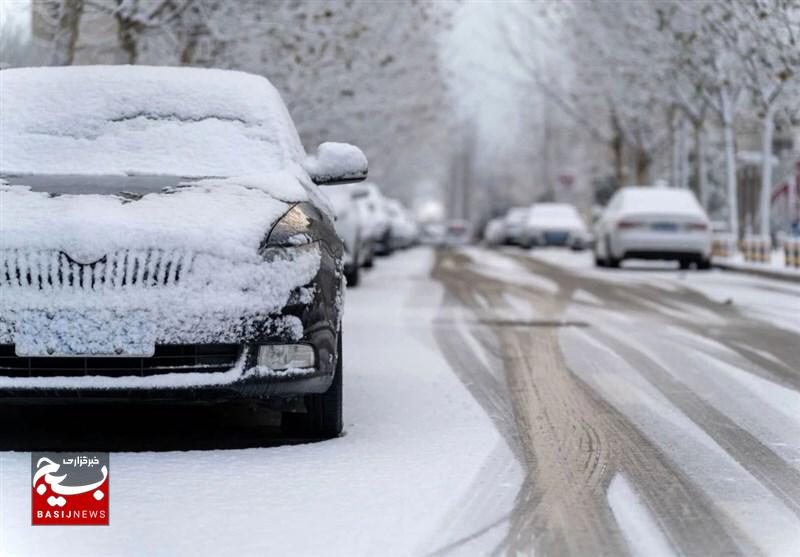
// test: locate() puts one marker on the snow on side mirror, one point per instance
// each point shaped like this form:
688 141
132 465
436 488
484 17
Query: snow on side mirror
337 163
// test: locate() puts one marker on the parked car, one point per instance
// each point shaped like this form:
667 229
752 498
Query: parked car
555 224
432 233
163 239
515 225
494 233
350 228
402 226
375 220
653 223
458 232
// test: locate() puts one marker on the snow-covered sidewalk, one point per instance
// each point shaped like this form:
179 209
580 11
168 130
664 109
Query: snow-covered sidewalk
394 484
775 268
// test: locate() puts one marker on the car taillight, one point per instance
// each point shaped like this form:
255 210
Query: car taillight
697 226
630 224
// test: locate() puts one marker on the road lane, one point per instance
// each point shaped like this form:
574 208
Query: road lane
650 383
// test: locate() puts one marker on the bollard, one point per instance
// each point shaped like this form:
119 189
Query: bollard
791 252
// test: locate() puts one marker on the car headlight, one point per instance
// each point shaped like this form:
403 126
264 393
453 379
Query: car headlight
293 229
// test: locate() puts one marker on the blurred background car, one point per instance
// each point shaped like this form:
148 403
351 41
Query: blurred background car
494 233
458 232
515 225
402 225
349 226
432 233
653 223
375 222
555 224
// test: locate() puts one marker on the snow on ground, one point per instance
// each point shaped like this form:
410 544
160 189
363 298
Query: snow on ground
638 526
762 298
416 446
776 265
696 398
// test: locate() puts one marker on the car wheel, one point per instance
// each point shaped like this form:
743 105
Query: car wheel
323 416
611 261
369 262
352 275
685 263
599 261
704 264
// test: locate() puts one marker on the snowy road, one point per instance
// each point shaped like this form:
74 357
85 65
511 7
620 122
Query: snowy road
658 410
497 402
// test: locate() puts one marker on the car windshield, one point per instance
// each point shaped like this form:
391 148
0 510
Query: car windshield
142 120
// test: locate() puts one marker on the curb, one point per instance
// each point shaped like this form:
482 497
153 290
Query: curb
764 273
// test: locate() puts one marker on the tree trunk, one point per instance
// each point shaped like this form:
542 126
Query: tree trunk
700 163
128 37
69 22
643 161
730 161
673 137
618 153
683 151
766 170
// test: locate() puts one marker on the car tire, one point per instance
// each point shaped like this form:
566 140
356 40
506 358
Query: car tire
599 261
685 263
323 416
704 264
611 261
352 275
369 262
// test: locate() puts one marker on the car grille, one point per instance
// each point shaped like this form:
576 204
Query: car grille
46 269
168 358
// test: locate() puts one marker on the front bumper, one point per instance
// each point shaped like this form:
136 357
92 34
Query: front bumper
311 315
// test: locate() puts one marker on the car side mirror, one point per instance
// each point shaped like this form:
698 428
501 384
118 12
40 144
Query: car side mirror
336 163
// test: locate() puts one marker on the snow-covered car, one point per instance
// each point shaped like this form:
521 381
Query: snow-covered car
432 233
371 204
555 224
350 229
163 238
494 233
458 232
402 226
653 223
515 225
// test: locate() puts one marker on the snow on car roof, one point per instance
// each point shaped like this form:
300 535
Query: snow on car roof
142 120
643 199
553 209
555 214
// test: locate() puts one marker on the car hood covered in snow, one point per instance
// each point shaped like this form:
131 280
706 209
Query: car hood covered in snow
228 217
188 256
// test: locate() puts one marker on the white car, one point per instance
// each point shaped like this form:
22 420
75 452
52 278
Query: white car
374 219
350 228
653 223
402 226
515 225
555 224
494 233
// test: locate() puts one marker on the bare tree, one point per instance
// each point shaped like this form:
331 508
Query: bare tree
67 30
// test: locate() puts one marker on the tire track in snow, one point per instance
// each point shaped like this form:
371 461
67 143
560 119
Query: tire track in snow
575 443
